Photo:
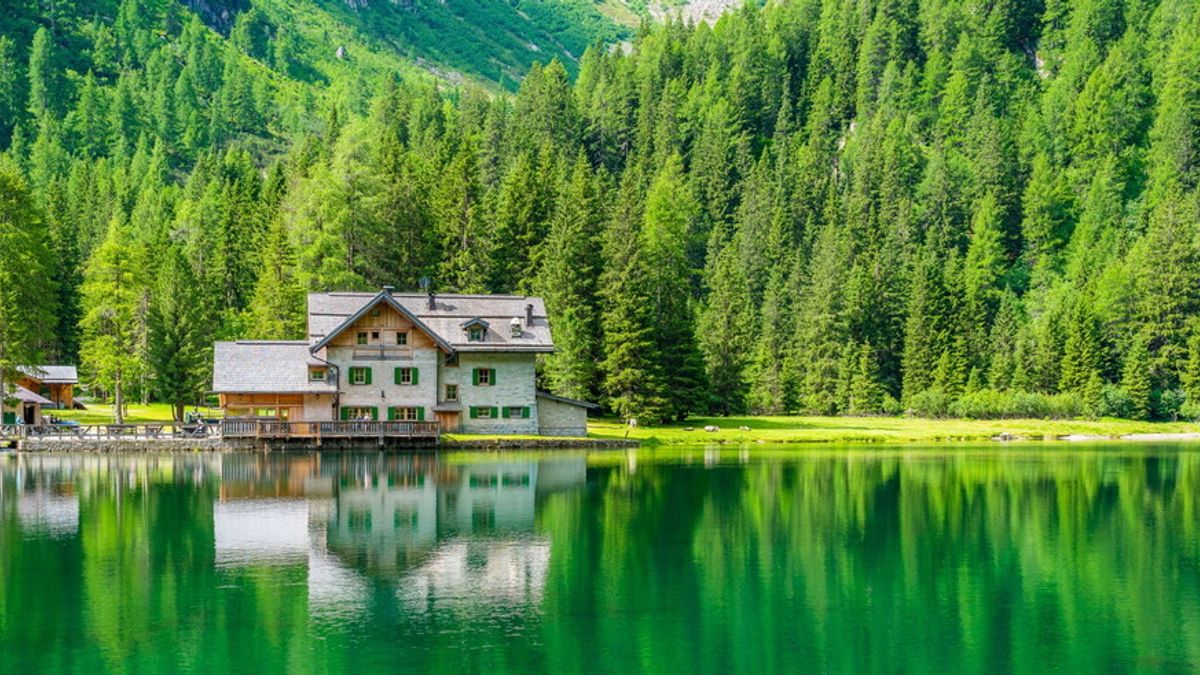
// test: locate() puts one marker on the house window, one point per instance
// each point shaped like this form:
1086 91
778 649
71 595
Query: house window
483 377
402 338
359 413
475 334
316 374
406 376
451 360
375 312
516 412
264 412
452 392
361 338
360 376
374 336
407 414
482 412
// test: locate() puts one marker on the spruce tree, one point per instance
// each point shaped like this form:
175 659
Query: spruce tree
1136 377
179 335
568 281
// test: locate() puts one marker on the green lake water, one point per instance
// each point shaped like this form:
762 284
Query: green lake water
1056 558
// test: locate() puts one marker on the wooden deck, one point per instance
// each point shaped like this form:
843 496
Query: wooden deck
229 429
318 431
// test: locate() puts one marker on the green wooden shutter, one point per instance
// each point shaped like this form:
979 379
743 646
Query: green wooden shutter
492 377
420 414
414 375
495 412
525 412
368 375
504 412
391 413
474 412
374 411
396 376
345 413
475 376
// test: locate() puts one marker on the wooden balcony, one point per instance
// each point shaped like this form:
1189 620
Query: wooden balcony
276 430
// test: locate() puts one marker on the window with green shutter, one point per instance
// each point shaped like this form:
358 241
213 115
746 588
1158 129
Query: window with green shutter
483 377
406 376
360 375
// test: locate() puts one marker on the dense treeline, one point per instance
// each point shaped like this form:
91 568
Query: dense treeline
979 207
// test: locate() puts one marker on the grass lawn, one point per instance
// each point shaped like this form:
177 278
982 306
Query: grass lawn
871 429
102 413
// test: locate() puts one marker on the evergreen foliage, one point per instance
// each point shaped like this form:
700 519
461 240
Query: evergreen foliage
822 205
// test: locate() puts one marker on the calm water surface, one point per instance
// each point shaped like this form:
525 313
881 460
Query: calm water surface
1067 559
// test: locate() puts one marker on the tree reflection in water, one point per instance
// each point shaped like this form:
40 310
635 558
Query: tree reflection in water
684 561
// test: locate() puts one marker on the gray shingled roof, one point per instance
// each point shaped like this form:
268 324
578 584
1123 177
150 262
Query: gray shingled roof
328 311
52 374
264 366
25 396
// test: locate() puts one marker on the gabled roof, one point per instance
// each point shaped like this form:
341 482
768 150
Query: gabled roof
475 321
264 366
382 296
327 312
51 374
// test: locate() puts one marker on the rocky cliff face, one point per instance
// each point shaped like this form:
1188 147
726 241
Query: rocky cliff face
220 14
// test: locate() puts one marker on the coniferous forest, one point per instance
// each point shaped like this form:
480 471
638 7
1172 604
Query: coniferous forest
946 207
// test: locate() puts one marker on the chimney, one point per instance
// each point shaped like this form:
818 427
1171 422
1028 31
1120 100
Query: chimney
529 314
387 290
432 300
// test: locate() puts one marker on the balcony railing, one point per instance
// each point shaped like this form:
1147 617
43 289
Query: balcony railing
276 429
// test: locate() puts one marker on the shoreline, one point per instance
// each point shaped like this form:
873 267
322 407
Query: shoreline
494 443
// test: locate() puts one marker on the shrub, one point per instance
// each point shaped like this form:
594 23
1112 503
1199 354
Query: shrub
930 403
1115 402
1190 410
995 404
1170 404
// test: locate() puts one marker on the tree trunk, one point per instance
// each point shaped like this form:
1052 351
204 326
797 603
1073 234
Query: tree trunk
179 411
119 399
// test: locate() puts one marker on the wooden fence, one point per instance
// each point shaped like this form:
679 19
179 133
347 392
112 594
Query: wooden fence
85 432
224 429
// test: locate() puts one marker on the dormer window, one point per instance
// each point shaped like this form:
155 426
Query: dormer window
316 374
476 329
515 326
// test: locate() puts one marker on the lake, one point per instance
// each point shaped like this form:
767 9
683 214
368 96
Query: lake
1043 558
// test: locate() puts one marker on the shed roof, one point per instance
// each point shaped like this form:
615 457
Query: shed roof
541 393
52 374
25 396
447 322
264 366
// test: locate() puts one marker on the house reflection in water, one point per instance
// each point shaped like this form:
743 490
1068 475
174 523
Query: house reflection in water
461 534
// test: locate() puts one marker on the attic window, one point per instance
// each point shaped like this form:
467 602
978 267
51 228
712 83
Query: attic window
516 327
375 312
402 338
475 334
316 374
361 338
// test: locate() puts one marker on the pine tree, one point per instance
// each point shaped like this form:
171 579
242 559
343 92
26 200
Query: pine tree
634 383
670 211
725 326
113 292
866 391
1136 377
26 304
568 281
278 307
178 335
